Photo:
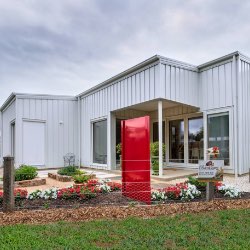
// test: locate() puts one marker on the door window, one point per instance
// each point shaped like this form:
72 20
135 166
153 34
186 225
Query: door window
176 141
195 140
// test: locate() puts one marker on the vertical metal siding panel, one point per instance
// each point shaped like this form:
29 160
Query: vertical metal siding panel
177 85
115 96
138 92
50 127
229 84
173 84
66 121
38 105
124 92
133 89
216 88
26 108
142 83
168 81
129 86
119 94
182 86
222 83
147 85
32 108
152 83
210 99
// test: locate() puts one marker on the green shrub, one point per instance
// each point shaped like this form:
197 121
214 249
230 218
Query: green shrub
25 172
194 181
155 166
70 171
154 149
81 178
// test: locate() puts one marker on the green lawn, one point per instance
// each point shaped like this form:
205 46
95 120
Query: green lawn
213 230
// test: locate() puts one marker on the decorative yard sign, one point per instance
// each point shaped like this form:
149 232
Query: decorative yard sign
211 170
136 159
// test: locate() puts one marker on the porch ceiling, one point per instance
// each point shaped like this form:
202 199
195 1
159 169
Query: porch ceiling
153 105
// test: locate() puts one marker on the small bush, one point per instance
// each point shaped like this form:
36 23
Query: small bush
155 166
25 172
194 181
154 149
81 178
70 171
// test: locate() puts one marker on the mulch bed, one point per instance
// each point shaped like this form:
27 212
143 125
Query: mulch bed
106 199
117 212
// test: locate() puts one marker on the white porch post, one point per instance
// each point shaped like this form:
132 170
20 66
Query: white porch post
160 137
111 137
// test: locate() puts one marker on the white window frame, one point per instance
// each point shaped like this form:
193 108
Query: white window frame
94 164
185 118
231 132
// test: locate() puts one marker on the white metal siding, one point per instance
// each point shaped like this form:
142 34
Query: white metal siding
34 143
216 87
135 88
61 124
8 115
179 84
244 116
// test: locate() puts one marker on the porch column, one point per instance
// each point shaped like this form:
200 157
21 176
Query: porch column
160 137
111 138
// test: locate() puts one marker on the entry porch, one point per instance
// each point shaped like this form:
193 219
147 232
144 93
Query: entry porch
175 126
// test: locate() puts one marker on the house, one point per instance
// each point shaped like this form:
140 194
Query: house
191 108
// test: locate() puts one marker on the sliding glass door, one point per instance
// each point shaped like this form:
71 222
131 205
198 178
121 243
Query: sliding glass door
186 142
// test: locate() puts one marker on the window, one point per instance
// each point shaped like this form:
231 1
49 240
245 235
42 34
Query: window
100 142
176 141
195 140
218 134
156 133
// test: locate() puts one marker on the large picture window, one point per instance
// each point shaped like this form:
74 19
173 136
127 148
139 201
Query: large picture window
218 134
100 142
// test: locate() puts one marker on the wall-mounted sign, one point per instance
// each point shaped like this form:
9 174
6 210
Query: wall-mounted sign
211 170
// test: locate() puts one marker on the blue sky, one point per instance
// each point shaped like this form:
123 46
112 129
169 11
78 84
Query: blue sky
66 47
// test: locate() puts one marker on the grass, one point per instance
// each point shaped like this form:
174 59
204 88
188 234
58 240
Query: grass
228 229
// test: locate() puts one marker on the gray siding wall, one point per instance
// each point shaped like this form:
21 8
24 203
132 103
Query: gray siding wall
216 86
60 138
8 115
244 115
179 84
135 88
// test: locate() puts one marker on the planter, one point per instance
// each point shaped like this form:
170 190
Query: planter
31 183
62 178
77 185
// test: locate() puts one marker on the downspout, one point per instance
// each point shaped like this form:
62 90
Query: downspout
79 131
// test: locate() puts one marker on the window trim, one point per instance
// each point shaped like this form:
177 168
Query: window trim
228 110
92 141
